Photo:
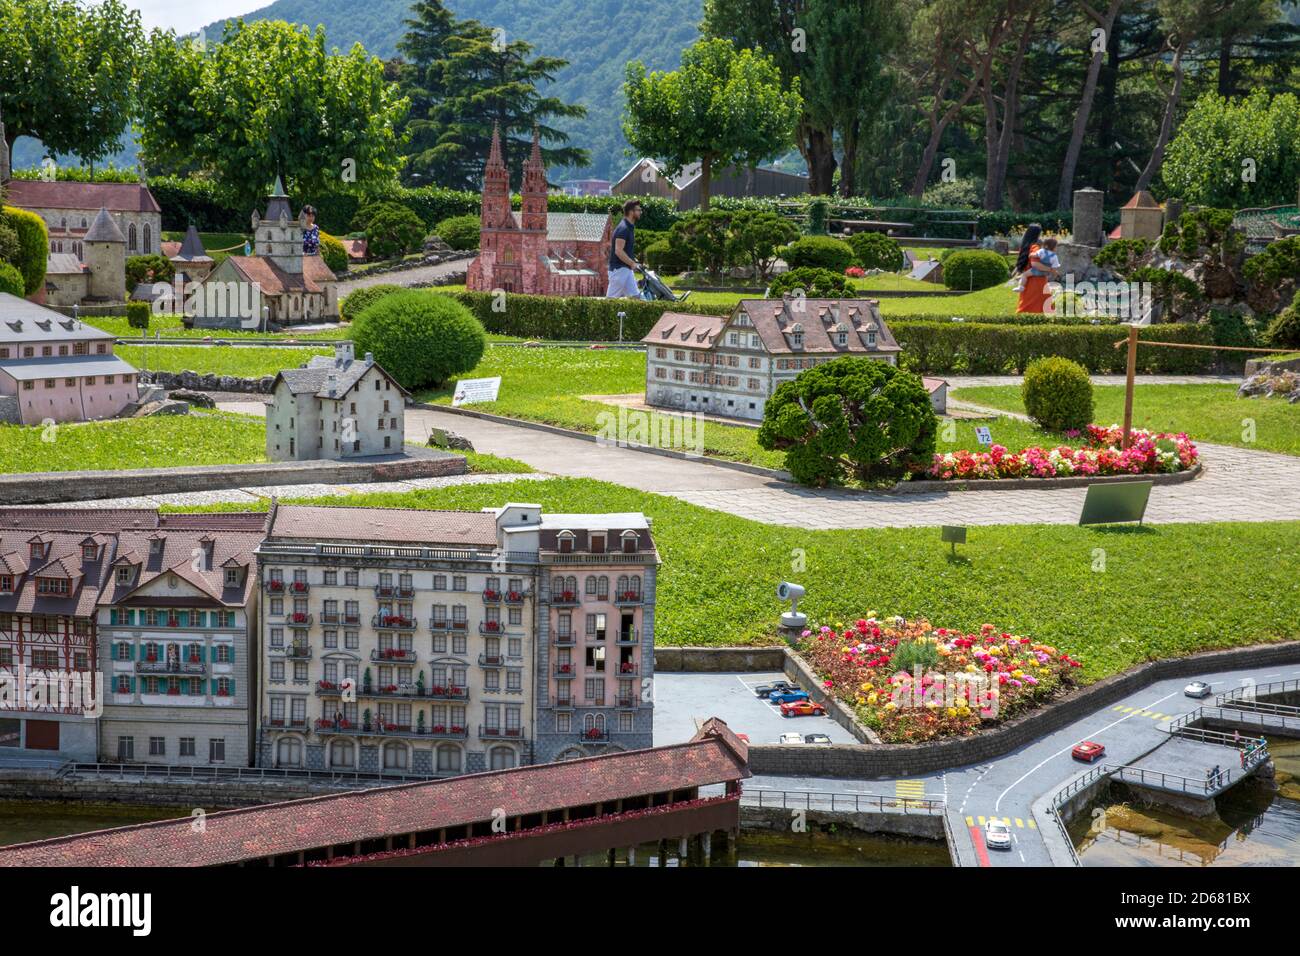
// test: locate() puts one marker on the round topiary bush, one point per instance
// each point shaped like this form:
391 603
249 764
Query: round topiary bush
421 338
11 280
1284 331
814 283
332 251
459 232
851 419
33 246
665 258
358 300
972 269
137 315
819 252
872 250
1057 394
391 229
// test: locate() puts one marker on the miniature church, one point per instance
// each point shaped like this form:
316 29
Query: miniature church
294 288
535 251
98 277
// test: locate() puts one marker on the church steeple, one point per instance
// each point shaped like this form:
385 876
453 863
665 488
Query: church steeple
496 187
533 190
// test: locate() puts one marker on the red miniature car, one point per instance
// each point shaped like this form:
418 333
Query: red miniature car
802 708
1088 751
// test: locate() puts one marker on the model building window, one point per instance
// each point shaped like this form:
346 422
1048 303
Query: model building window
217 751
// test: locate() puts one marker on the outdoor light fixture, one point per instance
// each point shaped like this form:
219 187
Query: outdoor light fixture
792 619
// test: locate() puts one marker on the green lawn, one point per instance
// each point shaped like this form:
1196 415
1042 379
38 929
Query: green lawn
1163 592
246 362
198 439
1211 413
171 327
546 384
996 300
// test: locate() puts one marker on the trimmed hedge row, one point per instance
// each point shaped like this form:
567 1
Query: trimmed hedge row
572 318
971 348
1009 318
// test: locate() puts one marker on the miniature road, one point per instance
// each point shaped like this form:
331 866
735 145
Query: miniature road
406 276
1006 788
1238 485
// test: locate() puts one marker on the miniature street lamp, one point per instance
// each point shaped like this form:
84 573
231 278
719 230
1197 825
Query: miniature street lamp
791 620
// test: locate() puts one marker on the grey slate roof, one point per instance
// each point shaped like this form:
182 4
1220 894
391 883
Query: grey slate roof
314 378
62 264
104 229
31 369
192 248
26 322
572 226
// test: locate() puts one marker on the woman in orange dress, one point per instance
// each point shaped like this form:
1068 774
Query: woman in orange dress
1033 288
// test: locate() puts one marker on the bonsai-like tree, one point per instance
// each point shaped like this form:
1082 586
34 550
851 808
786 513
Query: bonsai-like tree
757 238
852 419
723 107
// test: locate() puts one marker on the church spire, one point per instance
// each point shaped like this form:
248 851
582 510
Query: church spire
496 187
533 190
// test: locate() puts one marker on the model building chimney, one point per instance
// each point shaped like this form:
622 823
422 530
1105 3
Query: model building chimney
333 384
344 353
370 358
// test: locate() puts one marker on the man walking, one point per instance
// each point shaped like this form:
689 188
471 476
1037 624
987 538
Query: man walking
622 261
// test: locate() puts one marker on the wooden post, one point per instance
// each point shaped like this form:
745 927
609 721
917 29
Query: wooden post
1129 376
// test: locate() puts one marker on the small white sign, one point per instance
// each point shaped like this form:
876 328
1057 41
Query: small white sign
982 435
470 390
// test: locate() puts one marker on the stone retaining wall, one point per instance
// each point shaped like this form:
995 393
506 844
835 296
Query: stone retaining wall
713 659
48 487
208 382
926 826
902 760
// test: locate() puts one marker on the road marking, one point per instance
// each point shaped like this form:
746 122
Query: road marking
981 851
1020 824
1066 749
970 822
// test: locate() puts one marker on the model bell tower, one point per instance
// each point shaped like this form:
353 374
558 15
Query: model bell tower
533 190
278 235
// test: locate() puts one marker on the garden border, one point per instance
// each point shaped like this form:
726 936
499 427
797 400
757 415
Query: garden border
869 760
923 486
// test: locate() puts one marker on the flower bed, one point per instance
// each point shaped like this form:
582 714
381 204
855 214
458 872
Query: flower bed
910 682
1149 453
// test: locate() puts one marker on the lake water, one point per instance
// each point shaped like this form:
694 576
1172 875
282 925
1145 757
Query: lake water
22 822
1253 827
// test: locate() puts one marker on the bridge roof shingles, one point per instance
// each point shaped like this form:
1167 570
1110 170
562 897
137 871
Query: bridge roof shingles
714 756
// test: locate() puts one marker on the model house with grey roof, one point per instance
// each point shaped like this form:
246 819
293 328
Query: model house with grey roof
730 365
337 407
57 368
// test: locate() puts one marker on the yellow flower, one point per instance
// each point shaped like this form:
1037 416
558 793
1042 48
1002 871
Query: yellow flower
873 698
951 711
866 685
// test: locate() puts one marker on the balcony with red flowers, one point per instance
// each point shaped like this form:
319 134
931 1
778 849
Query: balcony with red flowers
298 618
491 597
628 598
515 597
594 735
393 622
491 628
565 599
566 671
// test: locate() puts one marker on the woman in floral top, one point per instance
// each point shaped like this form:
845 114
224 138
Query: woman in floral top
311 233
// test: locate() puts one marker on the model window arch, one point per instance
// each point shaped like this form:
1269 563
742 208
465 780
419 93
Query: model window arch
629 539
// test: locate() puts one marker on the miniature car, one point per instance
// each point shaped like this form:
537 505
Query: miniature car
820 740
997 835
791 739
787 696
802 708
1197 689
1088 751
776 687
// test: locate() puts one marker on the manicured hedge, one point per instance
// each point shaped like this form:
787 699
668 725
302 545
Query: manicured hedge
572 318
33 246
972 348
1009 318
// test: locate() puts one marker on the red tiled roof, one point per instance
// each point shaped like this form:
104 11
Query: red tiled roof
714 756
775 319
176 557
116 197
275 281
385 524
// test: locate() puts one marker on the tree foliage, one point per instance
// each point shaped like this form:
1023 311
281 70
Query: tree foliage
850 420
420 338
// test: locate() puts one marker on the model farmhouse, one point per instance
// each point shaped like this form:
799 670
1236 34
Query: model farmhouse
731 365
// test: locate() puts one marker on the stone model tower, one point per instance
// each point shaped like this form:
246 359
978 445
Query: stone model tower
496 188
278 235
104 249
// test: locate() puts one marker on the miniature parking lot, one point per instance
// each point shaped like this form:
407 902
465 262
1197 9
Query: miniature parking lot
683 701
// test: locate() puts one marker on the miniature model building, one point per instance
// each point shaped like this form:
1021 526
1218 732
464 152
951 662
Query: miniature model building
57 368
96 274
335 408
731 365
535 251
68 209
294 288
448 642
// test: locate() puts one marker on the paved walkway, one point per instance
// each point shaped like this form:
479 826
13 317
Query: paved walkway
1237 485
406 276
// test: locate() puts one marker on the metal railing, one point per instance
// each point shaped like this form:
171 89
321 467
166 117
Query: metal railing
1254 691
845 802
234 773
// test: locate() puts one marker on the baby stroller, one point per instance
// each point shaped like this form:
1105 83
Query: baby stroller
652 287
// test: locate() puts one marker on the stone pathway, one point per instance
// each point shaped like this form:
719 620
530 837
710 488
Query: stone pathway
1237 485
406 276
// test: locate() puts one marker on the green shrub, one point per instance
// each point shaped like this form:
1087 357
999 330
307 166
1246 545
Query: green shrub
815 283
572 318
817 213
1121 255
150 268
332 251
873 250
819 252
33 246
9 244
909 654
420 339
1284 331
663 257
1057 394
358 300
391 229
11 280
459 232
137 315
851 419
971 269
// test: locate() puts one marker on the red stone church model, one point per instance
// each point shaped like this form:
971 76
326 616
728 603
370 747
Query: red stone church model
536 251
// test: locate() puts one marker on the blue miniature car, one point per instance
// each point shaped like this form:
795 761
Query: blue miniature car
788 696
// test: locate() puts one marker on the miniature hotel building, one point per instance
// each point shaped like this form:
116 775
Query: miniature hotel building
731 365
57 368
336 408
438 643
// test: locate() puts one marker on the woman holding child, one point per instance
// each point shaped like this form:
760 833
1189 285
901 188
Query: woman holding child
1036 266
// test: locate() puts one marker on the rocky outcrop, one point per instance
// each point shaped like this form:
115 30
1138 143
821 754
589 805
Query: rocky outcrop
1272 383
449 440
190 397
194 382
